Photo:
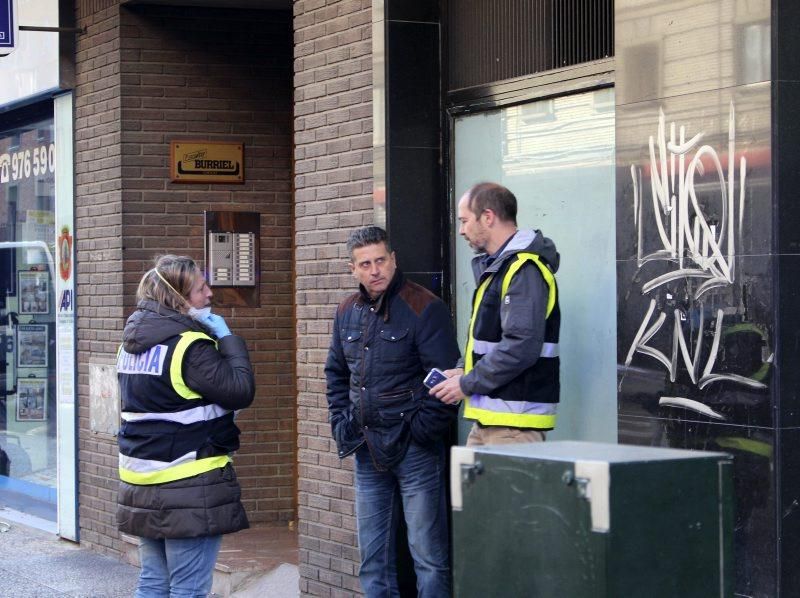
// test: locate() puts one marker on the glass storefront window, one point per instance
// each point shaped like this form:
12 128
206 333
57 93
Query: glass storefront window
28 468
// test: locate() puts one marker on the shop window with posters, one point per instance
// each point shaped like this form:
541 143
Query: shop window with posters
28 472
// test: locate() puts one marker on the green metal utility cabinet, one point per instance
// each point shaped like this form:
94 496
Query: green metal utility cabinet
583 519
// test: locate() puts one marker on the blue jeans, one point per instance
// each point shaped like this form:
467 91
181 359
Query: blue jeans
177 567
419 481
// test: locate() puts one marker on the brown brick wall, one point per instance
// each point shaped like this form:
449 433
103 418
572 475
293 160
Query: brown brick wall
333 182
181 73
98 236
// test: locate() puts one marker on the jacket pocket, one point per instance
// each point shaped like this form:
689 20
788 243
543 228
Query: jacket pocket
350 344
395 345
390 438
487 326
397 406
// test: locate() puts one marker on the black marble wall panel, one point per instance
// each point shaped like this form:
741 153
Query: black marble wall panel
786 141
753 450
693 150
695 269
673 47
413 83
700 323
788 465
788 341
414 214
415 200
785 102
786 52
409 194
412 10
725 373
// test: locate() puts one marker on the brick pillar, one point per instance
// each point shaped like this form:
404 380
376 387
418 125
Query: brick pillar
333 181
99 249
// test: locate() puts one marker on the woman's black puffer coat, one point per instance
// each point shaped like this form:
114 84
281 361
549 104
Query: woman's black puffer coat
210 503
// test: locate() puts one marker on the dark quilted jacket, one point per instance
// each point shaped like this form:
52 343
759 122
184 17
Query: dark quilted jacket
379 355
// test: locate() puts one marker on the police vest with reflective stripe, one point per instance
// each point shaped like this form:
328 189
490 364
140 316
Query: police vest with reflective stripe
530 399
168 431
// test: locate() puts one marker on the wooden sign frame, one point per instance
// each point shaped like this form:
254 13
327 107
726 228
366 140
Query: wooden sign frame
206 162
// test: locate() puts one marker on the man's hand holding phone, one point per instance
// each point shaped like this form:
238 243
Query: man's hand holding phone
448 390
434 377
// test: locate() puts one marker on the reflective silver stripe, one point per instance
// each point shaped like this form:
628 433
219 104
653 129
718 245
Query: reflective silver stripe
189 416
485 347
549 350
151 465
516 407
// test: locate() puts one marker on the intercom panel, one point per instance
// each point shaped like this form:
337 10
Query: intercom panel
231 259
232 246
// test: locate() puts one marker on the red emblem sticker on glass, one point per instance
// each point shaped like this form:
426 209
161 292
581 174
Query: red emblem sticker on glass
65 254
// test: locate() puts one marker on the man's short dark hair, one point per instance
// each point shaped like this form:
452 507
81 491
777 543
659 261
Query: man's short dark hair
494 197
369 235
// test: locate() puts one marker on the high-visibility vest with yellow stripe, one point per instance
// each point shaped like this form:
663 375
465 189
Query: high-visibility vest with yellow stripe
530 399
168 431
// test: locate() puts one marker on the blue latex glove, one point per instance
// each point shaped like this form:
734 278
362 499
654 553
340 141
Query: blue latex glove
216 324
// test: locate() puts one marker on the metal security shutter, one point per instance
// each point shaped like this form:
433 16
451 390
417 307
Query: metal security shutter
491 41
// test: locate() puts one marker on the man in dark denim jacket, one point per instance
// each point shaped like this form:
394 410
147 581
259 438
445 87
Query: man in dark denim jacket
386 337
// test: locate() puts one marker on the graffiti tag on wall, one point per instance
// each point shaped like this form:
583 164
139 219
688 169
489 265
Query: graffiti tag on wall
698 248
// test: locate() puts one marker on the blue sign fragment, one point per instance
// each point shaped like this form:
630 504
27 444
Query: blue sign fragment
8 22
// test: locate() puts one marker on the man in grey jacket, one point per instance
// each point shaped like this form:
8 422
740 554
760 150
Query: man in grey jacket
510 375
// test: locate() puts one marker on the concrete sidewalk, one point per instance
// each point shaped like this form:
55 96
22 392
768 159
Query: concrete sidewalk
34 563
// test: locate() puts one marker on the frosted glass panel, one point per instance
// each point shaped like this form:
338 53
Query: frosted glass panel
557 157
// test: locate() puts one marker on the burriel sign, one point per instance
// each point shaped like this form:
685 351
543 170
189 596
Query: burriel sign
8 26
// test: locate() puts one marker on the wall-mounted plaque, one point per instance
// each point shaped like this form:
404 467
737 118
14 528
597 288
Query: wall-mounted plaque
206 162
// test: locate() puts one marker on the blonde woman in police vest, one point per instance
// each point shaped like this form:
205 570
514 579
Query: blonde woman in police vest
182 377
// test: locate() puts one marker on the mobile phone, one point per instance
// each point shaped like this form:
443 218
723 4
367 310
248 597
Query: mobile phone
434 377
